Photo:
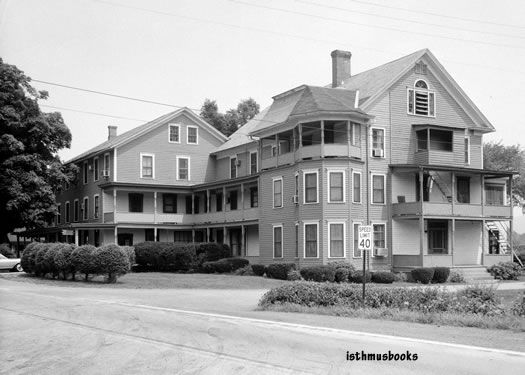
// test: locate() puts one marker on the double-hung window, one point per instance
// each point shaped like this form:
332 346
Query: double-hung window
310 183
336 180
277 192
67 212
85 173
378 143
85 208
254 197
233 167
356 187
96 206
96 172
420 100
147 165
106 165
379 236
135 202
467 149
311 240
253 162
183 168
75 210
169 203
277 241
336 237
193 135
174 133
378 189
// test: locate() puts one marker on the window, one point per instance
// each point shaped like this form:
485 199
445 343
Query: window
169 203
356 187
420 68
67 212
378 143
440 140
196 204
277 192
494 194
253 162
296 191
310 240
233 167
494 241
336 238
337 183
85 172
96 172
310 187
421 101
59 214
106 164
463 189
75 210
378 189
96 206
467 150
218 200
233 199
183 168
422 140
193 135
357 252
254 197
296 240
182 236
174 133
135 202
379 236
189 204
437 236
149 234
356 134
147 162
85 208
277 241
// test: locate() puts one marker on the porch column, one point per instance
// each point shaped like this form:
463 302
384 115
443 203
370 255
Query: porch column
207 234
322 138
224 234
115 232
482 195
453 191
242 196
208 197
114 206
224 199
193 236
192 203
243 242
155 234
348 136
453 240
483 241
154 206
76 236
421 217
511 221
300 135
277 150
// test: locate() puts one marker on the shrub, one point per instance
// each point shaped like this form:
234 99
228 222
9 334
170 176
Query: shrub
341 275
400 277
518 306
49 264
279 270
148 254
83 260
505 271
319 273
244 271
40 265
422 275
111 261
225 265
357 277
383 277
130 250
456 277
63 260
294 275
211 251
259 269
342 264
6 251
477 299
440 275
176 257
28 257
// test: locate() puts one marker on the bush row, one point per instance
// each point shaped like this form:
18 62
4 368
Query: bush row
473 299
63 260
427 275
505 271
225 265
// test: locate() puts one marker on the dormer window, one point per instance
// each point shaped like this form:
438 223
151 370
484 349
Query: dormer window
420 100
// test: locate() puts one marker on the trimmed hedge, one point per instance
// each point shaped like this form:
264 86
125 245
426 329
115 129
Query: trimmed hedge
294 275
423 275
440 275
357 277
211 251
83 260
279 270
225 265
342 274
111 261
383 277
505 271
64 260
27 260
259 269
319 273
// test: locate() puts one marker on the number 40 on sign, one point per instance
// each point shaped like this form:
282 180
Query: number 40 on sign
366 239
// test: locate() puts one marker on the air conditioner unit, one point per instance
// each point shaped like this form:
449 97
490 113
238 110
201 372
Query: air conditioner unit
378 152
105 173
295 199
380 252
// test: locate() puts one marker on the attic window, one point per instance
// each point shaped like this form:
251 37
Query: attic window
420 68
420 100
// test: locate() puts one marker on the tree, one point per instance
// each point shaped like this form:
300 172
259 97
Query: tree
496 156
233 119
30 170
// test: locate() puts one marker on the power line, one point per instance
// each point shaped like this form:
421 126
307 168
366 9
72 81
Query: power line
437 14
90 113
425 23
375 26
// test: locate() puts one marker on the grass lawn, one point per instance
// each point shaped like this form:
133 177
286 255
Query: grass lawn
158 280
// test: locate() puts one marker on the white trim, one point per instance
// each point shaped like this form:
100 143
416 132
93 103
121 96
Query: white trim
310 171
467 137
371 142
188 134
256 161
85 174
115 164
96 171
177 158
422 80
328 187
329 239
146 154
372 188
354 223
354 172
278 178
273 240
85 210
170 125
305 223
236 169
106 166
296 184
384 223
296 240
67 218
420 90
95 215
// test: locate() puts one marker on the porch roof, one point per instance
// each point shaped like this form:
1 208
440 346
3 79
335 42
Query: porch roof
428 167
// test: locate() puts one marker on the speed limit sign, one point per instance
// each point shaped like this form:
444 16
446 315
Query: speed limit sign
365 237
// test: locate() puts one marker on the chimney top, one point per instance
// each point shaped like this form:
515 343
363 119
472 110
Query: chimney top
340 67
112 132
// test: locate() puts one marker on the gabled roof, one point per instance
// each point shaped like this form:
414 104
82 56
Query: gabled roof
305 100
134 133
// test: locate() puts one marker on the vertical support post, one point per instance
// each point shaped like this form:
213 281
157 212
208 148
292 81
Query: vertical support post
115 233
155 207
243 240
192 203
277 150
242 197
453 240
208 197
349 136
453 191
224 199
421 217
114 206
193 236
482 195
511 221
322 138
224 234
208 234
483 241
155 234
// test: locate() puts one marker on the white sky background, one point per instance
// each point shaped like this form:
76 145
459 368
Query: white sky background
181 52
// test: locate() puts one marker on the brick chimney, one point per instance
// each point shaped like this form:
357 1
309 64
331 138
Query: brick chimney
340 67
112 132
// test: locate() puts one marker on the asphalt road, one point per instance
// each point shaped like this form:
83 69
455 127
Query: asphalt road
54 330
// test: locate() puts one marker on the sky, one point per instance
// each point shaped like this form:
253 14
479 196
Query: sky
183 51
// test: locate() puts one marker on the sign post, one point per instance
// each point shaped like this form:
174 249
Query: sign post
365 243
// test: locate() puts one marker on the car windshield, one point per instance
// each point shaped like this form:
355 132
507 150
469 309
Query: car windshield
2 256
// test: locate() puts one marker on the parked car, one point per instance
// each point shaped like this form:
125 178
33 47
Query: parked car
11 264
